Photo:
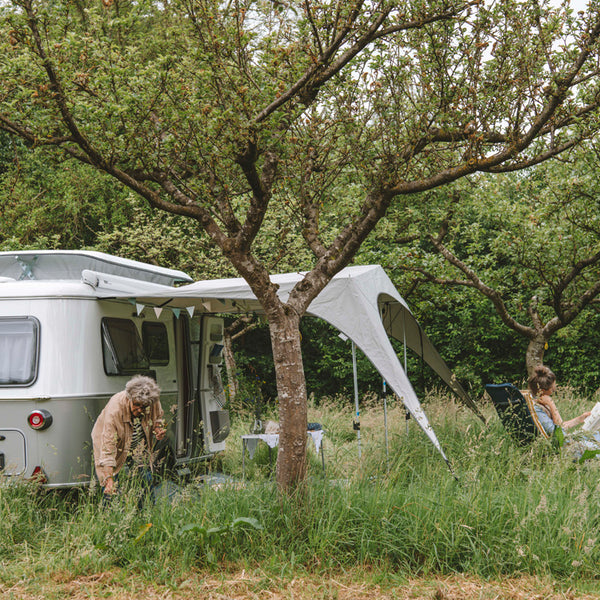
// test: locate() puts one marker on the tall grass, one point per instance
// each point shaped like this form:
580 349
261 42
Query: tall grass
503 510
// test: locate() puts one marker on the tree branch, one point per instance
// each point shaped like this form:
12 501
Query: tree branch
56 87
575 308
26 134
315 77
261 186
540 126
487 291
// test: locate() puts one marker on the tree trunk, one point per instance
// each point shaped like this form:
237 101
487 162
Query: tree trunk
534 355
291 389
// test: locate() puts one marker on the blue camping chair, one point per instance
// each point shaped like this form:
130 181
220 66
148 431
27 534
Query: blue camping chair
515 409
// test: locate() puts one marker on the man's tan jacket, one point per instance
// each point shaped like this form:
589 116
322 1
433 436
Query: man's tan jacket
113 432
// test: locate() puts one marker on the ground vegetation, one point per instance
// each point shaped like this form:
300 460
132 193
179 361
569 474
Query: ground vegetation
508 522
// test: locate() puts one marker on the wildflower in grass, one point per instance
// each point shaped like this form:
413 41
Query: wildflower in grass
581 507
589 545
542 507
582 498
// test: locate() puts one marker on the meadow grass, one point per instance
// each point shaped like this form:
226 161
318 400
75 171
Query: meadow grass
502 511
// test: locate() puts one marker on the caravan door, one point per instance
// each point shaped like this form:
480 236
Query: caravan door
210 392
202 424
185 397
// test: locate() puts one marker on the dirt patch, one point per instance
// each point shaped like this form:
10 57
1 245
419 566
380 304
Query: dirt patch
243 586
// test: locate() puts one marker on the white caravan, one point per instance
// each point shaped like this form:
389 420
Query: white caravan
64 352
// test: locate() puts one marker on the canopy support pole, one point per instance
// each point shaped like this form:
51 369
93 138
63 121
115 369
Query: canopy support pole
357 421
385 421
385 427
405 363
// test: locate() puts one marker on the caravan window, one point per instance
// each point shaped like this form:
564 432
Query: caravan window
19 339
156 343
122 348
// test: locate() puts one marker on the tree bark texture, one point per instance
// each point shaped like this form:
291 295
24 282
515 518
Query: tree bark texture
534 355
291 388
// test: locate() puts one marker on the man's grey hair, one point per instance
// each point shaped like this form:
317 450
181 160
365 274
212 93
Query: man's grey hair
142 390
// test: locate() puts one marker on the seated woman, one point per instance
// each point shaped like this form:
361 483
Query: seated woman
542 384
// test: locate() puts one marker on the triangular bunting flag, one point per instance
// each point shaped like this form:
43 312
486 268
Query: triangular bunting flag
139 308
190 310
157 311
176 312
206 306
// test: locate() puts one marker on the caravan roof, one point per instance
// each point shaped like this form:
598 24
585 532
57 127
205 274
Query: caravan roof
46 265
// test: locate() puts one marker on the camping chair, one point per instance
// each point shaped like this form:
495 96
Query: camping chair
515 409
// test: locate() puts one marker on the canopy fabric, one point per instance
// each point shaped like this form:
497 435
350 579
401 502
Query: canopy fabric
361 302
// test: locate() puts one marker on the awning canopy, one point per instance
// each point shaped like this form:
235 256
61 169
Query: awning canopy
361 302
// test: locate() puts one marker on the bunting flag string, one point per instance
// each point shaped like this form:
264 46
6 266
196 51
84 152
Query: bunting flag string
139 307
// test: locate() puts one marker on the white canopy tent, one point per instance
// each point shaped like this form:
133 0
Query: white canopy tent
361 302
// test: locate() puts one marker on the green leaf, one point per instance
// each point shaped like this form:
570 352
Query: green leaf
195 528
587 455
214 532
558 438
243 521
144 529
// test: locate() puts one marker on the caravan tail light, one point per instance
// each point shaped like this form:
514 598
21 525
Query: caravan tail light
39 420
38 476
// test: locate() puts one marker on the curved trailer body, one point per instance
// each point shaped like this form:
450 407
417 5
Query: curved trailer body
64 352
